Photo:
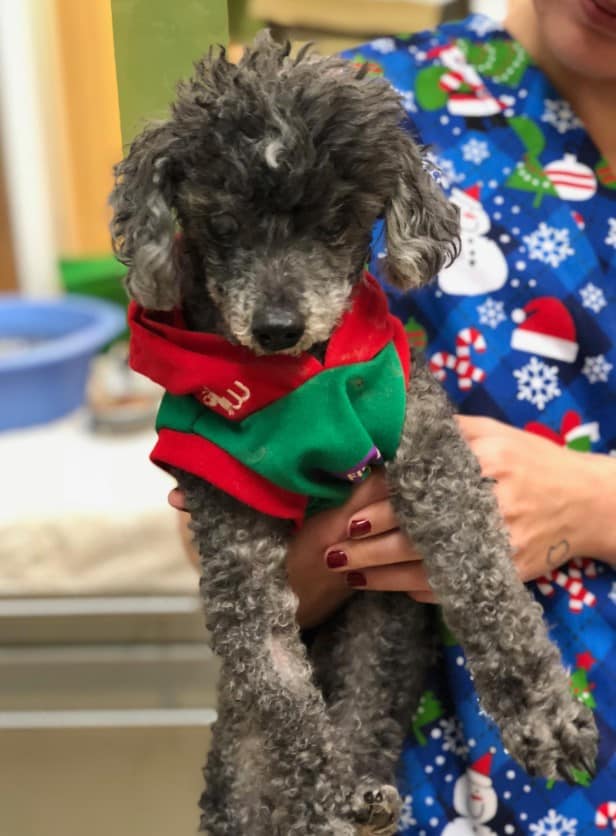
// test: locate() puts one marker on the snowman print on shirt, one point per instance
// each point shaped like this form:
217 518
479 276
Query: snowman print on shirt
475 801
481 266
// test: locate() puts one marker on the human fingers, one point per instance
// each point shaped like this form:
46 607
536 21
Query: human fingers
423 597
176 499
404 577
376 518
474 427
392 547
371 490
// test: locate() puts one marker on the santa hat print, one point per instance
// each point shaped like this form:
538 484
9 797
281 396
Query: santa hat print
545 327
467 198
481 770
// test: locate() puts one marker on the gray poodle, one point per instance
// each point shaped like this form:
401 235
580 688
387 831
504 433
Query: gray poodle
251 210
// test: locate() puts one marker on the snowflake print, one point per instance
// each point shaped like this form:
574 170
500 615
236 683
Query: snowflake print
406 813
537 383
593 297
610 238
383 45
548 244
443 171
475 151
491 313
481 25
453 737
554 825
559 114
407 97
597 369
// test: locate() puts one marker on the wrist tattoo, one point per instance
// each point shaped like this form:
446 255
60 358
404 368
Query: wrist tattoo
558 554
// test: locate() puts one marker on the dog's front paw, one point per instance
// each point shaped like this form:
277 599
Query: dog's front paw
376 809
554 743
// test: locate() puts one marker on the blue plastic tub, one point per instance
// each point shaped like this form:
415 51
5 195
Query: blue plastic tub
48 346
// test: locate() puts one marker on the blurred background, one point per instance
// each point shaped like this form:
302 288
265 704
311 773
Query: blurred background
106 681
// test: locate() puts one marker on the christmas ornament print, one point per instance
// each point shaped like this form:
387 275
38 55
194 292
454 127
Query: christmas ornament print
571 179
545 327
481 266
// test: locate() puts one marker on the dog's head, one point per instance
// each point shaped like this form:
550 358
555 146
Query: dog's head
275 171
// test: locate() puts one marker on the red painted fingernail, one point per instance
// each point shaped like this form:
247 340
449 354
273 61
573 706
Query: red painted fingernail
356 579
359 528
335 559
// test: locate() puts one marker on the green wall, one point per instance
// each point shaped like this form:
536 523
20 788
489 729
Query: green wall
156 43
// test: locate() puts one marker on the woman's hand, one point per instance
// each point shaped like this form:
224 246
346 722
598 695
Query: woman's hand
555 501
381 556
334 553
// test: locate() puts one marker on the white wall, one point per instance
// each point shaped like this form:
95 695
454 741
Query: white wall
24 146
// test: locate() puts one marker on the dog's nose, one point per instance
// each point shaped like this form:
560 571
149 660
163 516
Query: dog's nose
277 329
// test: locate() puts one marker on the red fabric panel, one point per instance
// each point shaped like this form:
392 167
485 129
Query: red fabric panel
200 457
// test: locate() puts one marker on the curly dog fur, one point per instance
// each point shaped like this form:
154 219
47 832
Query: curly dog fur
275 170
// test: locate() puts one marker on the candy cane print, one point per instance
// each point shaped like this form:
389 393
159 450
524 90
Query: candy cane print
440 362
466 371
606 814
570 579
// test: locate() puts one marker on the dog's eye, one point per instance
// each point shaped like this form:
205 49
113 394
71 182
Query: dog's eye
223 226
332 231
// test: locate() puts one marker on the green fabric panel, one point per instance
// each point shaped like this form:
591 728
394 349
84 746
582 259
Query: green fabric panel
330 423
156 43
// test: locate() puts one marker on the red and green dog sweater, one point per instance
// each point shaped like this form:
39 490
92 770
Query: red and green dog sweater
285 435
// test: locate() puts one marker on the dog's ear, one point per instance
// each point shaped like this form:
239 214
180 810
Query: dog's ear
422 230
143 224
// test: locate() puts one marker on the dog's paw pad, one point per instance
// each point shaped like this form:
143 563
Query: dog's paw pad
376 809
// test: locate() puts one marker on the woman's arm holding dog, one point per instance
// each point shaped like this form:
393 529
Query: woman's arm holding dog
557 504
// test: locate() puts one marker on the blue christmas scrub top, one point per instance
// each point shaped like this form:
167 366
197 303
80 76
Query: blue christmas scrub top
522 328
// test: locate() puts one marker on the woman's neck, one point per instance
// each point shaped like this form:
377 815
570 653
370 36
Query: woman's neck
594 101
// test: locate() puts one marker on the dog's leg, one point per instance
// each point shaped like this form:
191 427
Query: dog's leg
451 515
267 679
372 660
222 814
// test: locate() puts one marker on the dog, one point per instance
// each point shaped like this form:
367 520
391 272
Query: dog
245 219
